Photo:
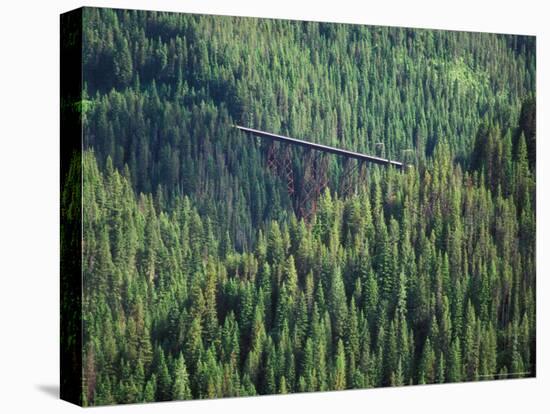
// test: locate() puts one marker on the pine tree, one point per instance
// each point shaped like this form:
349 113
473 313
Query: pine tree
180 386
455 363
339 379
338 304
164 380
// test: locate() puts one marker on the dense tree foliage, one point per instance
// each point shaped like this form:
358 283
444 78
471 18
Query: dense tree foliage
199 279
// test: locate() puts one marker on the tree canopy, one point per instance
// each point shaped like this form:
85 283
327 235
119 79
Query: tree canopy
201 281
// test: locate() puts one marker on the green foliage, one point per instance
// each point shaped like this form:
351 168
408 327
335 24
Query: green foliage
200 281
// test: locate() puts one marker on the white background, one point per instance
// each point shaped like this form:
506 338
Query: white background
29 192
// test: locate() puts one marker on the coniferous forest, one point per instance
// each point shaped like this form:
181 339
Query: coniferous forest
202 280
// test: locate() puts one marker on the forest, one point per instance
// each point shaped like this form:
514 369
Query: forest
200 280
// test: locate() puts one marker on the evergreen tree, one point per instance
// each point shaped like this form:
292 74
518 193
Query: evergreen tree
180 386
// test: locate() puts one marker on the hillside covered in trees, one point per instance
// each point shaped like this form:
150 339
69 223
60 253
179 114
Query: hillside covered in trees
201 281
